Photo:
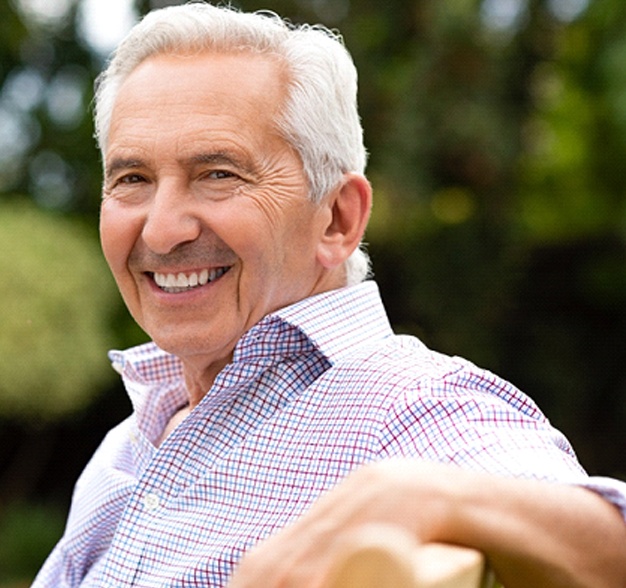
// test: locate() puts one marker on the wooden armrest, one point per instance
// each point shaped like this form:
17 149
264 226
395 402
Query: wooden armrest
387 557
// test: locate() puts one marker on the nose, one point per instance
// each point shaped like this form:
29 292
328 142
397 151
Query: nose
170 221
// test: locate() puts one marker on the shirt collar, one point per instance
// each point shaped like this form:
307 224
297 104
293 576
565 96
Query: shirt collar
333 322
338 321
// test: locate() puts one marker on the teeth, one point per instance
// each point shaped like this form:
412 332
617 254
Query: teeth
181 282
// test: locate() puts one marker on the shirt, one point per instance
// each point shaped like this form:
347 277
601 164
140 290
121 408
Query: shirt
312 392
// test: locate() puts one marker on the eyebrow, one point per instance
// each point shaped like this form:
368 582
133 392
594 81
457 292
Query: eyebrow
221 158
119 163
212 158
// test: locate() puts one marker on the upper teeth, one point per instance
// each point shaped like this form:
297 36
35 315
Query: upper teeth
192 280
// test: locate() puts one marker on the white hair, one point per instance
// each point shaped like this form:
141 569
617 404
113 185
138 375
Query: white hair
320 118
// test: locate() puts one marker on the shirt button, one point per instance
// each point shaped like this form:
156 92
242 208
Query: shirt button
151 501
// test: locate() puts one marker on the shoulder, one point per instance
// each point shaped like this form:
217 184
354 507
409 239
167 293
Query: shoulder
402 375
443 407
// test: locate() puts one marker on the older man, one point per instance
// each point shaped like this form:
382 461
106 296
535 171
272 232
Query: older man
234 202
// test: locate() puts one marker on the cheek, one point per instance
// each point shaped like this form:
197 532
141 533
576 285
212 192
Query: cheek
117 236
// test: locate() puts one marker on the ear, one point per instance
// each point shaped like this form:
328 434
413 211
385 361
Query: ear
349 206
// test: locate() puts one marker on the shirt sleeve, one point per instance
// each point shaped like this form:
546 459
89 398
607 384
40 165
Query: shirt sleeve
614 491
474 419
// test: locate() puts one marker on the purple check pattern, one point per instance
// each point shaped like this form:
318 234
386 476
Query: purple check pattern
313 391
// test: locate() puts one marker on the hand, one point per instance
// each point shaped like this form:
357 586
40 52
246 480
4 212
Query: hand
533 533
406 493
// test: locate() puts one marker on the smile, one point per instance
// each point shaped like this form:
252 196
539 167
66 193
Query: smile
174 283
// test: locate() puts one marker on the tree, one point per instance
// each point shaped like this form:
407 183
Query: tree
497 134
497 131
58 300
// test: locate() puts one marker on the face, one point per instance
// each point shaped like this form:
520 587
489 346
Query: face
206 222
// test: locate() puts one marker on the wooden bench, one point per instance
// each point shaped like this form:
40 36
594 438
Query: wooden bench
386 557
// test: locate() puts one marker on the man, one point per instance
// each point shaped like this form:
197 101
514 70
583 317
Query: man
276 408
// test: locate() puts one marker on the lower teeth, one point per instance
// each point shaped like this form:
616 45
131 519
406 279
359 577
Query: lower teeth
177 290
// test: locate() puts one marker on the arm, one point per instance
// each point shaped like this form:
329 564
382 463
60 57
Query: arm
533 533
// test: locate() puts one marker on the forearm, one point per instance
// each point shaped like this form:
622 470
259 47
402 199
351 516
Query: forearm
533 533
538 534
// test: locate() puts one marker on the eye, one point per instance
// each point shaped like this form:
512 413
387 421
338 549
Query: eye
130 179
220 174
124 185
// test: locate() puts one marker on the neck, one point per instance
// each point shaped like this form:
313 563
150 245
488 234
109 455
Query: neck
199 379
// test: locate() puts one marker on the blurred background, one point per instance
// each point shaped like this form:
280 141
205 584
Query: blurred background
497 133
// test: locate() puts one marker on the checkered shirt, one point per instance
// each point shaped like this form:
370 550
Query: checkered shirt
313 391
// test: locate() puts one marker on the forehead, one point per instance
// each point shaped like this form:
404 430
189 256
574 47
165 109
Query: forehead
241 70
242 89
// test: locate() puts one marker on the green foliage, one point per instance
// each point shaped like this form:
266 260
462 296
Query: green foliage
56 298
46 78
29 532
497 133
